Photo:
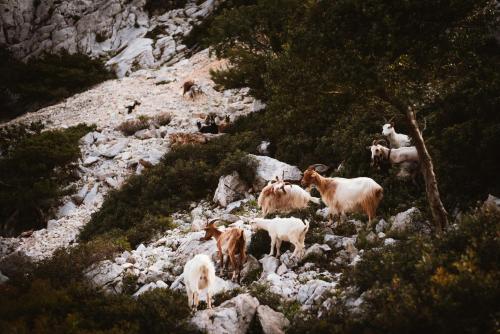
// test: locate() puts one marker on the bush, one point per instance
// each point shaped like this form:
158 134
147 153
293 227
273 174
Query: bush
33 175
187 173
45 80
445 284
128 128
162 119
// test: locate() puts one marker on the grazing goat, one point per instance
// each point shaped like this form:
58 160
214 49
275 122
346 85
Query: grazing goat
396 140
230 242
281 196
182 138
290 229
199 274
191 88
343 195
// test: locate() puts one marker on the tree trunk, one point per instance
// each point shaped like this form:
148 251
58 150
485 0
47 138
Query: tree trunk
438 211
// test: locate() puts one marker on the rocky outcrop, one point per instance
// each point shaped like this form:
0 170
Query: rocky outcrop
230 188
118 30
272 322
268 169
232 317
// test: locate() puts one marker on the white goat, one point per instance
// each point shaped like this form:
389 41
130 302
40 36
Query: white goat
345 195
199 274
396 140
290 229
280 196
393 155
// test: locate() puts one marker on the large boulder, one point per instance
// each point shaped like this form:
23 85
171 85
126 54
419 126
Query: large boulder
232 317
409 221
268 169
230 188
272 322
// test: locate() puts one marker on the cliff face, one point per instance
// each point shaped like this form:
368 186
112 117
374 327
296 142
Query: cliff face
120 32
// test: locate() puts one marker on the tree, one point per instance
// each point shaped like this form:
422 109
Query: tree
401 56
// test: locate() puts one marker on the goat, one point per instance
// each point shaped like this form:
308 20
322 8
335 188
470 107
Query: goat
182 138
131 108
393 155
281 196
199 274
224 124
290 229
396 140
230 242
187 86
343 195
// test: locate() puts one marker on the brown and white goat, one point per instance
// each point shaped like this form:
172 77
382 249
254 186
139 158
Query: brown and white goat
231 242
343 195
184 138
281 196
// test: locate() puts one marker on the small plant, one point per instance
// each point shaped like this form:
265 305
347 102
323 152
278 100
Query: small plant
130 127
162 119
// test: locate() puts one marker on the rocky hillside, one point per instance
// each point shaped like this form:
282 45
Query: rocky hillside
120 32
84 272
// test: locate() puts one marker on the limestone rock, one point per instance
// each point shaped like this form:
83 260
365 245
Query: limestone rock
230 188
269 168
272 322
231 317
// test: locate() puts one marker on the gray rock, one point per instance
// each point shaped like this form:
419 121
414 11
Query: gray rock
263 147
115 149
90 160
407 221
269 168
371 237
104 272
381 226
80 196
145 288
269 264
230 188
251 265
272 322
231 317
389 241
3 278
312 292
91 196
316 250
66 209
88 138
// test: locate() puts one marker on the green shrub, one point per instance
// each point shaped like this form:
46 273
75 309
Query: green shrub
45 80
55 297
33 175
185 174
445 284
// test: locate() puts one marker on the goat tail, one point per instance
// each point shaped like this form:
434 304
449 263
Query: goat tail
315 200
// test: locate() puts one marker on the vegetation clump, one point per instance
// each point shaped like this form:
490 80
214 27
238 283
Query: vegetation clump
35 169
45 80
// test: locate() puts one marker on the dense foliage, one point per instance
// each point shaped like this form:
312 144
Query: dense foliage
188 173
55 297
35 168
330 71
45 80
423 284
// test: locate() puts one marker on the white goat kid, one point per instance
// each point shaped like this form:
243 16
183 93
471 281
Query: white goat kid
396 140
281 196
199 274
290 229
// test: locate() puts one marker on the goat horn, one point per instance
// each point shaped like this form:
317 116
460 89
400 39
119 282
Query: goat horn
320 168
390 119
211 221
